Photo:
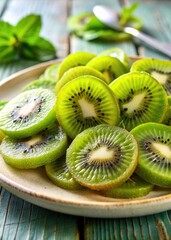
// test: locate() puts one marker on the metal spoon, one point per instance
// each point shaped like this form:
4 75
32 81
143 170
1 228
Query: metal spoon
111 18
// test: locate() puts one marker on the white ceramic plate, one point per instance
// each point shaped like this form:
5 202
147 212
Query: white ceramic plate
35 187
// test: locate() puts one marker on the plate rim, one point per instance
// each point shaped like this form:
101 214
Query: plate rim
23 192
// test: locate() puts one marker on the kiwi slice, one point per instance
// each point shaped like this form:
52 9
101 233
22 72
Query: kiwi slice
141 99
167 117
32 152
84 21
59 174
28 113
2 105
51 72
119 54
102 156
159 69
109 66
154 147
74 60
40 83
134 187
84 102
76 72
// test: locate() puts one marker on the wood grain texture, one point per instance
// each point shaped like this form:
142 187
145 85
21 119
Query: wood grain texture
155 16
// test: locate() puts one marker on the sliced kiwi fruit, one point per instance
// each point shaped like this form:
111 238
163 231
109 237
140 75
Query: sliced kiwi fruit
2 105
84 102
28 113
51 72
84 21
32 152
74 60
134 187
109 66
76 72
40 83
167 117
157 68
154 147
59 174
119 54
141 99
102 156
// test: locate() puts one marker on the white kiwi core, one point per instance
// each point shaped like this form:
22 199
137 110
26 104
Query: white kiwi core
135 103
34 141
87 108
27 108
101 154
161 78
163 149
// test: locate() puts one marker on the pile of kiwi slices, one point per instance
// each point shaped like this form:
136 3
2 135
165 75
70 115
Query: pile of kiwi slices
96 122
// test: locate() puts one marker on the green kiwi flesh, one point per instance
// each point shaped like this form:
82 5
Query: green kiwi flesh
32 152
2 105
140 97
167 117
154 146
28 113
84 102
74 60
59 174
102 156
51 72
40 83
159 69
134 187
76 72
119 54
110 67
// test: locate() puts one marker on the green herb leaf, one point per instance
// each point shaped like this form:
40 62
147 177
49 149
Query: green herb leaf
7 52
126 13
23 40
38 48
28 26
6 28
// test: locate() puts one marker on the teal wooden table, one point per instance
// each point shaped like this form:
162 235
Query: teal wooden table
20 219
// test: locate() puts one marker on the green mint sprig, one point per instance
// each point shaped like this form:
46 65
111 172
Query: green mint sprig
24 41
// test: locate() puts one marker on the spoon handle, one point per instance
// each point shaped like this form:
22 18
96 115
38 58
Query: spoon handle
149 40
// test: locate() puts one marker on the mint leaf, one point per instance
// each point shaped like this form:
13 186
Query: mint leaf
127 13
23 40
7 53
6 30
38 48
28 26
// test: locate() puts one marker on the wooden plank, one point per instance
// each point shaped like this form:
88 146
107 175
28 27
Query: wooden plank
155 24
2 6
77 44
